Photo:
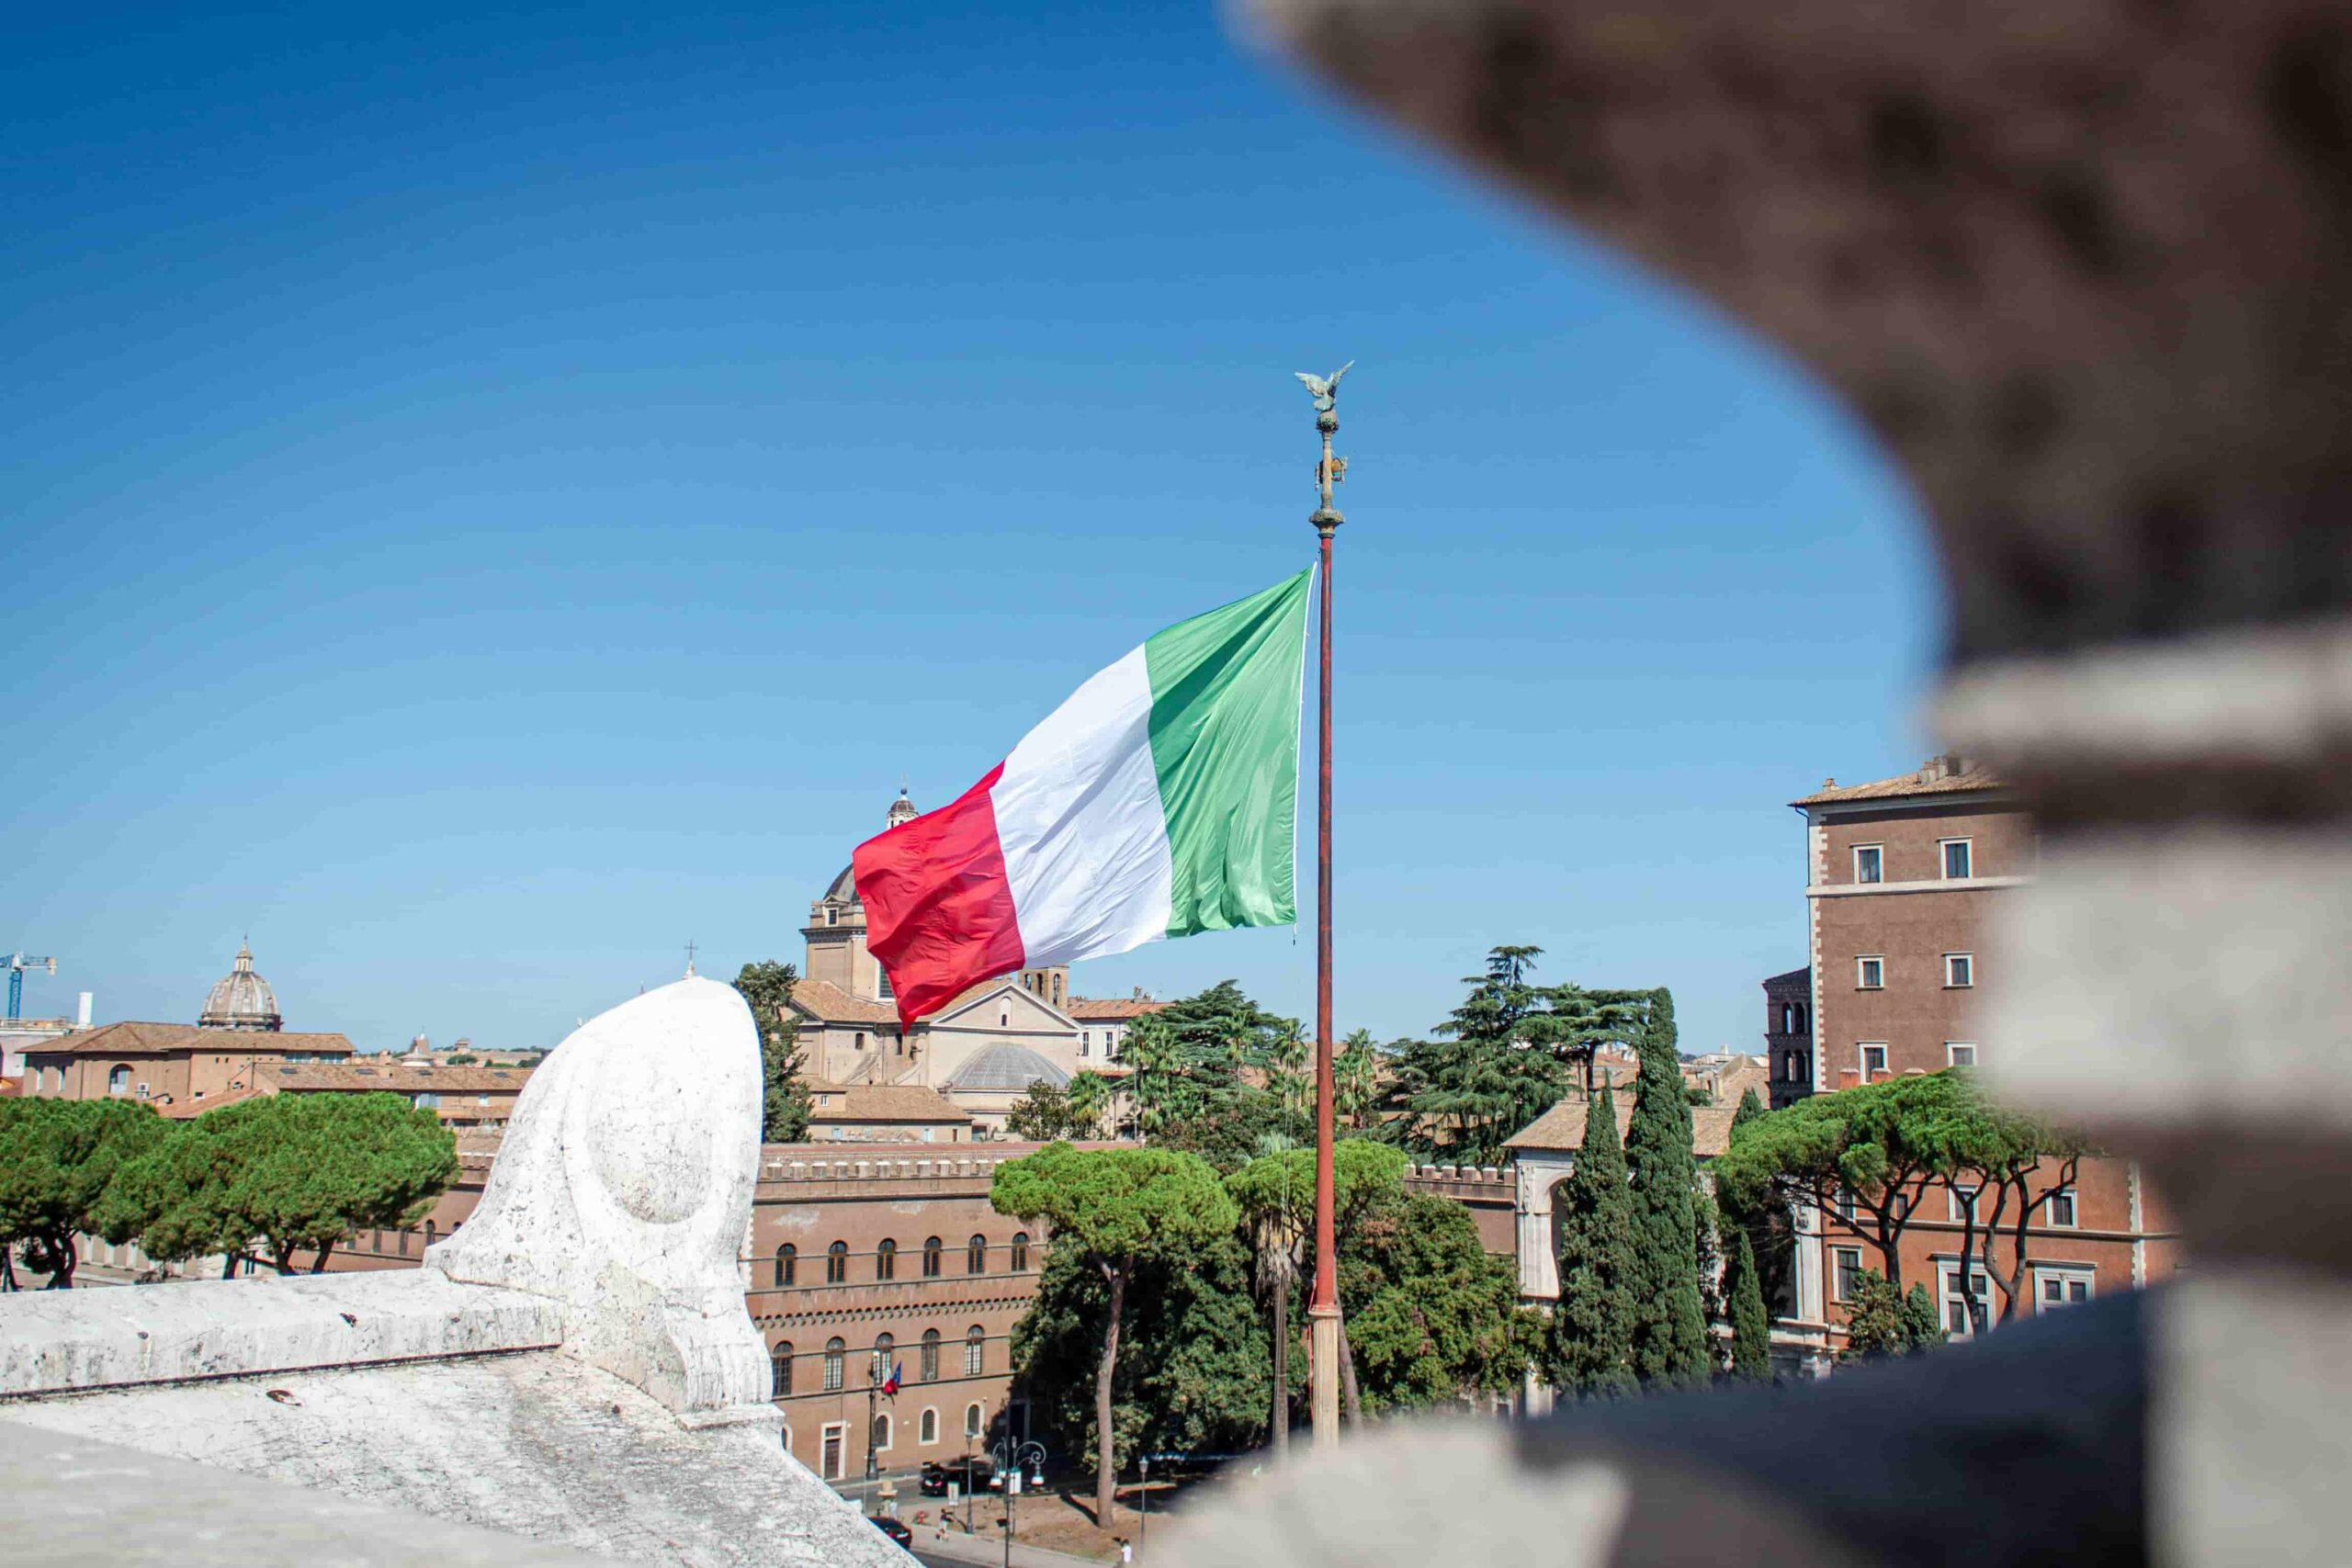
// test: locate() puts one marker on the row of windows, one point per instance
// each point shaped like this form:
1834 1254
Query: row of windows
880 1360
2057 1208
1960 970
2054 1287
1957 857
1872 1058
885 1259
832 1441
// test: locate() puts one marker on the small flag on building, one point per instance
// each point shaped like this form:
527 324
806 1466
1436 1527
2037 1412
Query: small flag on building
1157 802
890 1383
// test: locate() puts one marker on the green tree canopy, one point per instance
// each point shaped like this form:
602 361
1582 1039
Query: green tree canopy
1049 1111
1751 1330
1275 1193
1591 1345
1492 1069
1118 1207
1193 1369
1671 1343
1355 1082
58 1158
1875 1141
786 1101
290 1171
1211 1074
1432 1315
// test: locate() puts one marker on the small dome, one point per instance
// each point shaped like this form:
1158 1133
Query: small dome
242 999
901 810
1007 1067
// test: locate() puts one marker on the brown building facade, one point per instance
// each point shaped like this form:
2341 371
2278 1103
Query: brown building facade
181 1070
1902 875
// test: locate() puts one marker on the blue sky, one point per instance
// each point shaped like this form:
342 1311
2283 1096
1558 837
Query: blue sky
489 499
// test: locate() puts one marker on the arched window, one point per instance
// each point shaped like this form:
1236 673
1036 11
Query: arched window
837 1263
1021 1252
976 1339
885 1259
931 1250
118 1081
973 1421
976 1256
858 1040
883 1347
881 1432
930 1370
929 1431
780 1373
429 1232
834 1349
787 1264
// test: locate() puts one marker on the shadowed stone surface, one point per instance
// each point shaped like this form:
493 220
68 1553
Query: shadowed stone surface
101 1504
537 1445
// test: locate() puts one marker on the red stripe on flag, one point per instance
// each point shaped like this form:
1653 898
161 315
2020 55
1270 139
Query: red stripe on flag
938 903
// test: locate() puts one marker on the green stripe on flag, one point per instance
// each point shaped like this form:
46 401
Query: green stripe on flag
1225 708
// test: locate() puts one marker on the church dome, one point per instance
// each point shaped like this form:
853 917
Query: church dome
844 887
1006 1067
242 999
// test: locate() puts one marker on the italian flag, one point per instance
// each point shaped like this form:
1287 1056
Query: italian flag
1158 801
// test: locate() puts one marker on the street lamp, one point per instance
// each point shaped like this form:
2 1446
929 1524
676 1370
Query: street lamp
1009 1457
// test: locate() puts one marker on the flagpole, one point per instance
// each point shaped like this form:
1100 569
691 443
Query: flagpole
1323 1307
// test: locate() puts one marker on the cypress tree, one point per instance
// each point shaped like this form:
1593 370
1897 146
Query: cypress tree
1671 1326
1592 1331
1751 1344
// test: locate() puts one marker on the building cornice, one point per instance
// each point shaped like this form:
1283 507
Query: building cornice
1953 885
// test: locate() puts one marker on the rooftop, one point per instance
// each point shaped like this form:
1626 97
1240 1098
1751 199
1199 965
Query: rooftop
824 1000
1561 1127
1937 775
1109 1009
910 1103
130 1039
400 1078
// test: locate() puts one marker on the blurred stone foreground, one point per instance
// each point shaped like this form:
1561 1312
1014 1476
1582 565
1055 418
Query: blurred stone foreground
574 1367
2085 269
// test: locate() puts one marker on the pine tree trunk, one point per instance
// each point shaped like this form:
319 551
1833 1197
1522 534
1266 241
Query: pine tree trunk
1348 1378
1278 1432
318 1263
1106 1480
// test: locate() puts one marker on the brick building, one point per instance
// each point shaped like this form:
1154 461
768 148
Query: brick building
1902 875
181 1070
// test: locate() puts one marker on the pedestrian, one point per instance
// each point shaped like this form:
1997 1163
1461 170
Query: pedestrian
1126 1549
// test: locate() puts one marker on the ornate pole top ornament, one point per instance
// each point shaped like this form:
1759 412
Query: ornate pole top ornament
1325 390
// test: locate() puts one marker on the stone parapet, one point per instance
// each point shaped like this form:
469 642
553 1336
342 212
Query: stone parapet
78 1341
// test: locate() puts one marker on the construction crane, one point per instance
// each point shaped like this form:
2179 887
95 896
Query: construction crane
17 963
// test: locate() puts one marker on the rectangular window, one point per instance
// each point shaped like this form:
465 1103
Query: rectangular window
1957 1322
1960 970
832 1448
1086 1043
1849 1260
1956 860
1959 1055
1870 862
2058 1210
1873 1061
1960 1203
882 983
1869 974
1846 1204
2062 1287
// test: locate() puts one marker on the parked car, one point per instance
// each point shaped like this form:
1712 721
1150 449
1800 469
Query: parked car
969 1475
895 1530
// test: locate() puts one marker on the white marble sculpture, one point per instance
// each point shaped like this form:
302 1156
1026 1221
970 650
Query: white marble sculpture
624 1190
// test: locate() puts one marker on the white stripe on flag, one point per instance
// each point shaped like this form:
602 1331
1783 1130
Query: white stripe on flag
1078 817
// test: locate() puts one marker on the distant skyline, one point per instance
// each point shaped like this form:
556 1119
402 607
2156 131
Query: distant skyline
493 499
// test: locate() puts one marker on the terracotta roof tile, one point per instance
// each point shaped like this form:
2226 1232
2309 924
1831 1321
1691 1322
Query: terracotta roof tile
313 1078
1561 1127
828 1003
1972 777
884 1103
129 1039
1115 1010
